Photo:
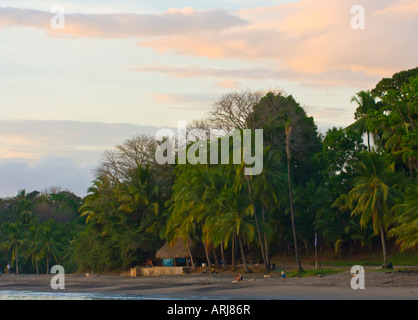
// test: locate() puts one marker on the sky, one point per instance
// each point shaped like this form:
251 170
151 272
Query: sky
122 68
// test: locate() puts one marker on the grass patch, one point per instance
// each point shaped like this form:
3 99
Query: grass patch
374 259
312 273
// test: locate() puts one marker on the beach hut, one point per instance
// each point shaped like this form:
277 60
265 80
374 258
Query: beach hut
170 253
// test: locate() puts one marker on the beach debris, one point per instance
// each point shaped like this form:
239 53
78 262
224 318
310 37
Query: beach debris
267 276
90 275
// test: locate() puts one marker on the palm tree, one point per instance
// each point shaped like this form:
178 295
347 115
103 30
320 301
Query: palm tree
406 219
99 199
373 195
234 220
366 103
33 250
288 132
140 195
265 186
48 244
13 239
24 206
5 247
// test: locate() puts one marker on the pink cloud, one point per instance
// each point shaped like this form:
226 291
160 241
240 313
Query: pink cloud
308 40
125 25
228 84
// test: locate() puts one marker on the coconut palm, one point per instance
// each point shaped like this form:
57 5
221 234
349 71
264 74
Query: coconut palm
288 132
265 189
48 244
99 200
24 207
33 250
5 247
234 220
140 195
373 195
366 103
406 220
13 235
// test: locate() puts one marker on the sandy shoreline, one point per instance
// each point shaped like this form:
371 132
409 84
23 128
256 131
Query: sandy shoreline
379 285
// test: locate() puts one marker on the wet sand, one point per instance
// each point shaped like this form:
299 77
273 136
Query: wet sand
378 285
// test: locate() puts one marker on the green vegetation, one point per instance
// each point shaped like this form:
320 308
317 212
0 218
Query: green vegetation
349 195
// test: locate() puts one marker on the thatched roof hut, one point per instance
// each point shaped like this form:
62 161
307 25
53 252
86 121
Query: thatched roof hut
178 250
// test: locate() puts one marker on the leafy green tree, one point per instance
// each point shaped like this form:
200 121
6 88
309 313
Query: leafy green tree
269 188
32 244
13 236
374 195
366 105
235 219
406 220
48 243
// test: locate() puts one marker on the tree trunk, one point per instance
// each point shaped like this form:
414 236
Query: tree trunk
214 256
257 226
382 234
244 261
207 254
223 255
17 261
288 133
233 253
37 267
368 140
191 257
47 263
266 247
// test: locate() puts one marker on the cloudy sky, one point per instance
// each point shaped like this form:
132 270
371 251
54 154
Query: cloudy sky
120 68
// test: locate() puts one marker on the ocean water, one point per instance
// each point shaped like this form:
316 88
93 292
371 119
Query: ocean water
36 295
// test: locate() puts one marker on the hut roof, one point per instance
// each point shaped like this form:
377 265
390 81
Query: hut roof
178 250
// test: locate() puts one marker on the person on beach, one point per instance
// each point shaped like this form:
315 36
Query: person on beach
239 277
283 276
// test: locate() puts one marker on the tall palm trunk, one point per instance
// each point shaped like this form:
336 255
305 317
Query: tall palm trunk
223 255
214 256
244 261
47 263
207 254
17 261
233 253
288 134
257 225
190 255
266 247
382 235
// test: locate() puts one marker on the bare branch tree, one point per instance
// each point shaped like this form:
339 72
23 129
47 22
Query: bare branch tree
232 109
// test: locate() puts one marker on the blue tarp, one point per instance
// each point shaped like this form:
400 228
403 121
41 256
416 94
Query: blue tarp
168 262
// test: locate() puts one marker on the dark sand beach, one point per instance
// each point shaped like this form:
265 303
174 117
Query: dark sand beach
378 285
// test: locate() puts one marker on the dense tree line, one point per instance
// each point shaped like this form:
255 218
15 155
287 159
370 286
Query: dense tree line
346 189
38 230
